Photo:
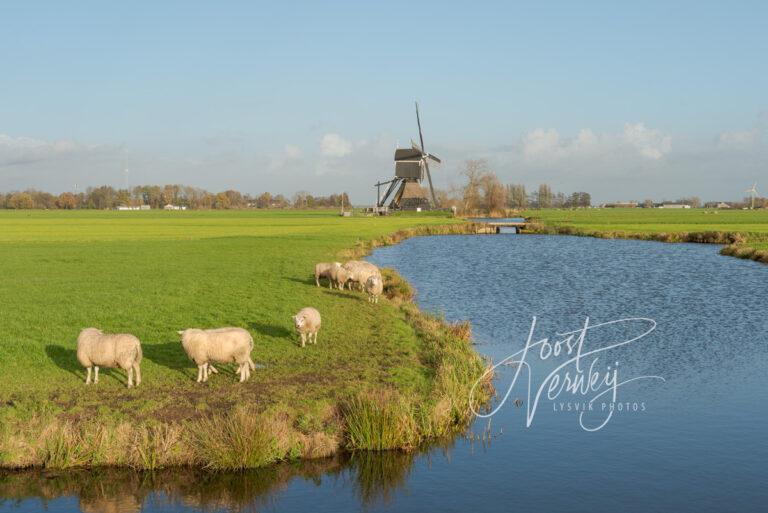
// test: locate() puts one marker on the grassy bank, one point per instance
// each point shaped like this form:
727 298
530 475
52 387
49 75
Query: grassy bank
744 233
381 376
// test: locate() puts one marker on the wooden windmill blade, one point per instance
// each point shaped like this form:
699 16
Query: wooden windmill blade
425 156
431 189
418 122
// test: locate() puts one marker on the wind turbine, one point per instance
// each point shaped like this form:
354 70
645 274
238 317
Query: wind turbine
753 194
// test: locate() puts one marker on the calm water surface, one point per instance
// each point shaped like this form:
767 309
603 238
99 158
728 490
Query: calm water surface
697 441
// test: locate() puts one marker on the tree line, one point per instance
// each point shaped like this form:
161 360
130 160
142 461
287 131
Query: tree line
157 196
484 192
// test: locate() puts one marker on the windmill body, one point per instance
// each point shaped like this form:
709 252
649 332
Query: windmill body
404 191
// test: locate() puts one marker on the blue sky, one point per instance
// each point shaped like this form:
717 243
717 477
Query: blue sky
625 100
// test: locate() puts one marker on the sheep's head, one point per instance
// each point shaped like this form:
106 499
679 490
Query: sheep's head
298 321
183 334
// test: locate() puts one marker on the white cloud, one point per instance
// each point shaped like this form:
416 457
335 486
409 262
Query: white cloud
334 145
292 152
650 143
738 140
635 140
23 150
542 142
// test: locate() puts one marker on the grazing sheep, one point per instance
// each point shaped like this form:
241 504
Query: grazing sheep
323 270
360 271
96 348
339 276
374 286
222 345
307 323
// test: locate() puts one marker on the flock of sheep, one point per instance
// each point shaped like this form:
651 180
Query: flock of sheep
221 345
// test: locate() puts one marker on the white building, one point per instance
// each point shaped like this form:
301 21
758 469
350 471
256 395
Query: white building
174 207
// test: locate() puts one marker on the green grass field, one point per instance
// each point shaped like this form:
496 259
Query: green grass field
152 273
753 224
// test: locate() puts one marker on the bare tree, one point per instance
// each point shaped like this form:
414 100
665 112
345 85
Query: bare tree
474 170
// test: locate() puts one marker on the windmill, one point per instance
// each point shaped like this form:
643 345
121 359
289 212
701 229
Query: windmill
753 194
411 166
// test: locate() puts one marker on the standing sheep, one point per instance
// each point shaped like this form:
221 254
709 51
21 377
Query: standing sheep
307 323
359 272
96 348
323 270
221 345
339 276
374 286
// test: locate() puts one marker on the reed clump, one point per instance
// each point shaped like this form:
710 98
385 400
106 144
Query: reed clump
236 441
746 253
380 421
396 289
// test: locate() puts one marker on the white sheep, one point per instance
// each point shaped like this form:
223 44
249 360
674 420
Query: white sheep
221 345
359 272
374 286
96 348
307 323
323 270
339 276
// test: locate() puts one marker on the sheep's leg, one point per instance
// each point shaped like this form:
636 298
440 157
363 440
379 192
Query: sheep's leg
303 339
137 371
314 338
247 371
96 378
242 372
205 372
88 378
129 372
317 280
251 364
200 373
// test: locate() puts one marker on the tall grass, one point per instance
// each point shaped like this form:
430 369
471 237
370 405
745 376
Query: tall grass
236 441
380 422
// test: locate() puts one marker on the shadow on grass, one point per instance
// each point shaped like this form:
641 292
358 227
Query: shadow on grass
67 359
167 354
306 281
172 356
271 330
347 294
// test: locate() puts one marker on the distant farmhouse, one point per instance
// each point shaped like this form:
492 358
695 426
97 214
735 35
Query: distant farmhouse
140 207
174 207
717 204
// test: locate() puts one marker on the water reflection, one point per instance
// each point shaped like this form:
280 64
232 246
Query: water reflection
374 477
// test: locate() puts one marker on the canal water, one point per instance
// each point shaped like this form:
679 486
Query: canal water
642 389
